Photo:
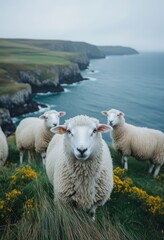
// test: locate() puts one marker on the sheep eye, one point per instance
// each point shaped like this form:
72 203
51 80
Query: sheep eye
69 132
93 131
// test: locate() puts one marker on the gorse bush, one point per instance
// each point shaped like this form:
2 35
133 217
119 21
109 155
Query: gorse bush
15 198
153 204
42 219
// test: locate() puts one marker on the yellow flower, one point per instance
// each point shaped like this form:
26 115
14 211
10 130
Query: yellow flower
2 203
28 205
24 173
119 171
13 194
155 205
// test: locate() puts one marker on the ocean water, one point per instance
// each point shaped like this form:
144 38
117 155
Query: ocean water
133 84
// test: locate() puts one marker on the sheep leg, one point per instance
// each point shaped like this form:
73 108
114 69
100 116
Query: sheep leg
157 169
151 168
43 155
29 157
122 160
1 162
92 213
21 156
125 163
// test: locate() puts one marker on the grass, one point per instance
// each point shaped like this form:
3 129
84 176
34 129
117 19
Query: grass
34 215
33 59
10 86
15 52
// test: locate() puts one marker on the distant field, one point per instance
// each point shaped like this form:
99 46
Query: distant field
16 52
15 55
33 59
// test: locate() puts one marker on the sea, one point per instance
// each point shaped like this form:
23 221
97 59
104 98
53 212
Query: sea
133 84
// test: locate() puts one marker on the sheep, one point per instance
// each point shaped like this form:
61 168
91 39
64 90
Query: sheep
33 134
140 142
79 164
3 148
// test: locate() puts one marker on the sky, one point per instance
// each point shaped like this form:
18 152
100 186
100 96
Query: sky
134 23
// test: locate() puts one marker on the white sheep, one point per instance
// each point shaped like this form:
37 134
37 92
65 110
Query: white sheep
79 164
139 142
33 134
3 148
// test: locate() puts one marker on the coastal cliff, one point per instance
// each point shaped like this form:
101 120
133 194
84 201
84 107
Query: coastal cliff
6 123
117 50
19 102
32 66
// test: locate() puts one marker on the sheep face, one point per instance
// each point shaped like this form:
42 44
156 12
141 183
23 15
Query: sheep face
51 118
113 116
82 138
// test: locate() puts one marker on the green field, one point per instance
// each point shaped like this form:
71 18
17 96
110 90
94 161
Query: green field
16 55
14 51
27 210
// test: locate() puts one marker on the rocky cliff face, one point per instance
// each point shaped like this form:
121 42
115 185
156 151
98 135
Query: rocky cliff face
49 78
19 103
5 122
41 79
69 74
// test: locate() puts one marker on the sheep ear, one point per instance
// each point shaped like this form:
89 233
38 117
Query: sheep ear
105 113
59 129
121 114
104 128
43 116
61 114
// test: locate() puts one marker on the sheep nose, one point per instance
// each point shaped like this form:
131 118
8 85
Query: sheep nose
82 151
110 123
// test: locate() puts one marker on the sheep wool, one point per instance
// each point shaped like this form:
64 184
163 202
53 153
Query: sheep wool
3 148
140 142
33 134
83 183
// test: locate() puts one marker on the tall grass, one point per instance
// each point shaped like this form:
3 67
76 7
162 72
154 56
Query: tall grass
56 221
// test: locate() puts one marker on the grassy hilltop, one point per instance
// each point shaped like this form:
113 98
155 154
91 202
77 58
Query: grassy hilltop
29 55
135 210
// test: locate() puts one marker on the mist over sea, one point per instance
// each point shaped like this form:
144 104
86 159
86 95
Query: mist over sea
133 84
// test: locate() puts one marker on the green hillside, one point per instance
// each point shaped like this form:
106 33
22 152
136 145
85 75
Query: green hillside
16 52
90 50
27 210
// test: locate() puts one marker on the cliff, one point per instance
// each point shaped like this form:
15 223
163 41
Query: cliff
19 102
5 121
90 50
117 50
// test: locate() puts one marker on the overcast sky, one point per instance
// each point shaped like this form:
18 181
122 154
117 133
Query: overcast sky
135 23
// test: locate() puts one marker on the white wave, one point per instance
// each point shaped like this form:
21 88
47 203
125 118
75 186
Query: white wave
66 90
30 114
64 84
92 79
15 119
75 84
44 94
43 109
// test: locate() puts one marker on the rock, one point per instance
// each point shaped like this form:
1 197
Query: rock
42 80
69 74
49 78
19 103
6 123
